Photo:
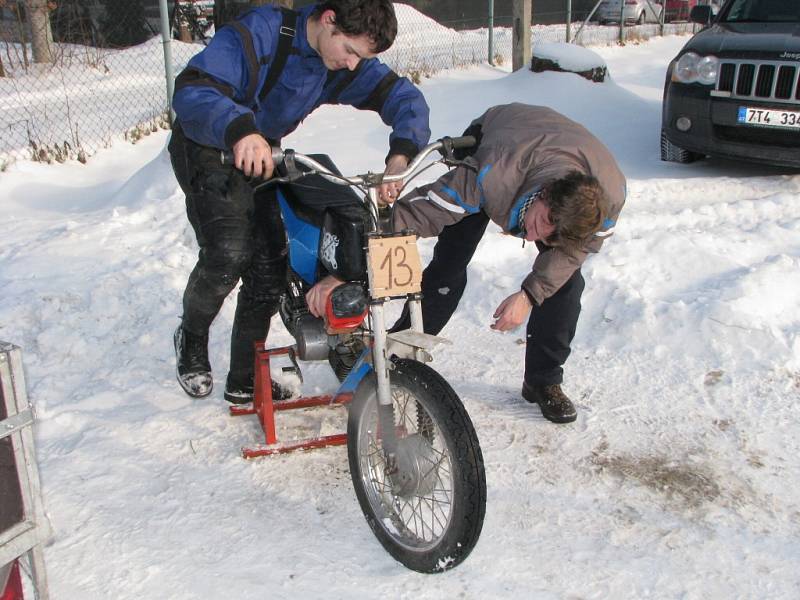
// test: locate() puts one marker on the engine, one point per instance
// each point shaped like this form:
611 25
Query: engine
307 330
346 311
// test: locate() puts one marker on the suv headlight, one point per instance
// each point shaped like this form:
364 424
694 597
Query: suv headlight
707 70
693 68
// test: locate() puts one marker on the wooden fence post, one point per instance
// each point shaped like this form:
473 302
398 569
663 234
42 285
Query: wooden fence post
521 37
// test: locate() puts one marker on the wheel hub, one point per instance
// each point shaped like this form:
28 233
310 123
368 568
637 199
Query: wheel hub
416 472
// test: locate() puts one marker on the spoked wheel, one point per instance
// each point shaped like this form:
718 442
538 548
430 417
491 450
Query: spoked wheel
427 509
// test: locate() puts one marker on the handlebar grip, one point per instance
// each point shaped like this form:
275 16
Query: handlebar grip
465 141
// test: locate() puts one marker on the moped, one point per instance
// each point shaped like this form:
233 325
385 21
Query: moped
415 460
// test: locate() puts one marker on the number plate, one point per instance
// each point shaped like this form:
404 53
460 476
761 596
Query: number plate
394 266
763 117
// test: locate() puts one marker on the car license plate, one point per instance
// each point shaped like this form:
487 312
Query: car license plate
769 118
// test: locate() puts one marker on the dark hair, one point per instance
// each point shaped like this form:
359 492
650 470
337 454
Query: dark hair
375 18
578 207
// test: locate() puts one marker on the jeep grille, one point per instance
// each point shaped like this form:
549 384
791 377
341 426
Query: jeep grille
760 80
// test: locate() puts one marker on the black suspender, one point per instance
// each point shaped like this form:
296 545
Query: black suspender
250 55
287 32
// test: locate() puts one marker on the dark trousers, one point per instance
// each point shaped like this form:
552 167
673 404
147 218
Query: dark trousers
241 236
551 326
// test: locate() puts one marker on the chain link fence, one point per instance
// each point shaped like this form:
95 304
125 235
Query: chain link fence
443 34
100 76
77 75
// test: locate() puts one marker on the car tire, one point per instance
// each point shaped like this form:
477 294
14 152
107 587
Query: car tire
672 153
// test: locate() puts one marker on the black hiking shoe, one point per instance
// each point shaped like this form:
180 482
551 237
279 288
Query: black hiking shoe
191 358
554 404
241 392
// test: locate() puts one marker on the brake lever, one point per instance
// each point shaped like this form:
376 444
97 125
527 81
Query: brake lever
269 182
454 162
290 167
446 150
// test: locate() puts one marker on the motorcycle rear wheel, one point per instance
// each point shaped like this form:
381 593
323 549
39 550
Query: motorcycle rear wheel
432 520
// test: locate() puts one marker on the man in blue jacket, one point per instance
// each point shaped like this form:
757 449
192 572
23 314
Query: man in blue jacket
254 83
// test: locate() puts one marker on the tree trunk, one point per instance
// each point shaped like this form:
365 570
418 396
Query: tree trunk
21 14
41 34
183 32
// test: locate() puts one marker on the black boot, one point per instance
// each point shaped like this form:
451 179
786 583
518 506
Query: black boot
191 357
240 390
553 402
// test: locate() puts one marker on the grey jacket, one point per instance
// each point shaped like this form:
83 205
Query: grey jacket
522 148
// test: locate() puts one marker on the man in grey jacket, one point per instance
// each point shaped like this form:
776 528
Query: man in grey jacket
539 176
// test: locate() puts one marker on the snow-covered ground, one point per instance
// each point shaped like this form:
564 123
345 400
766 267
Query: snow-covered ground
680 478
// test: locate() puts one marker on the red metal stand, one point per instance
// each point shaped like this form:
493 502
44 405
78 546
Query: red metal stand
12 587
265 407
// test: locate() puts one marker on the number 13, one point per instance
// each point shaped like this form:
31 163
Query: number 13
399 264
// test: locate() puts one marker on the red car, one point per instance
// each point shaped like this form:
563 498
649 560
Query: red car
678 10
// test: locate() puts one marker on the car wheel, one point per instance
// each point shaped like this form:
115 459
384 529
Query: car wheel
672 153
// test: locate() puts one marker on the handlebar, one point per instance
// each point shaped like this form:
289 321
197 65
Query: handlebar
445 146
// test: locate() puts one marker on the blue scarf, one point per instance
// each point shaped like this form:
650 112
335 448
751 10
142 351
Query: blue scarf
516 219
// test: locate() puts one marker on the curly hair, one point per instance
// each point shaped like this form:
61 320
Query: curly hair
578 207
375 18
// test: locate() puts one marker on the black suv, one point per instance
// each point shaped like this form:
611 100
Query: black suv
734 88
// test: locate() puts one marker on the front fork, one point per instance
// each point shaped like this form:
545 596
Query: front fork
380 360
382 365
400 477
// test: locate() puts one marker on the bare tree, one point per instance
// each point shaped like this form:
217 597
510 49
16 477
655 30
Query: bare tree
41 34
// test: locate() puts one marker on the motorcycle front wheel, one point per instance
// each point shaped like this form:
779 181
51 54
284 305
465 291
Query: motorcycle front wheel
427 508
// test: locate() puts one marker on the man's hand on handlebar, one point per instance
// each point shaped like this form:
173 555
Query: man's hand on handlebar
253 156
387 192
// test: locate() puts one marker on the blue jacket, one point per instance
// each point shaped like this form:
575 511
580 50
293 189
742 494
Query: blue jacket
217 97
